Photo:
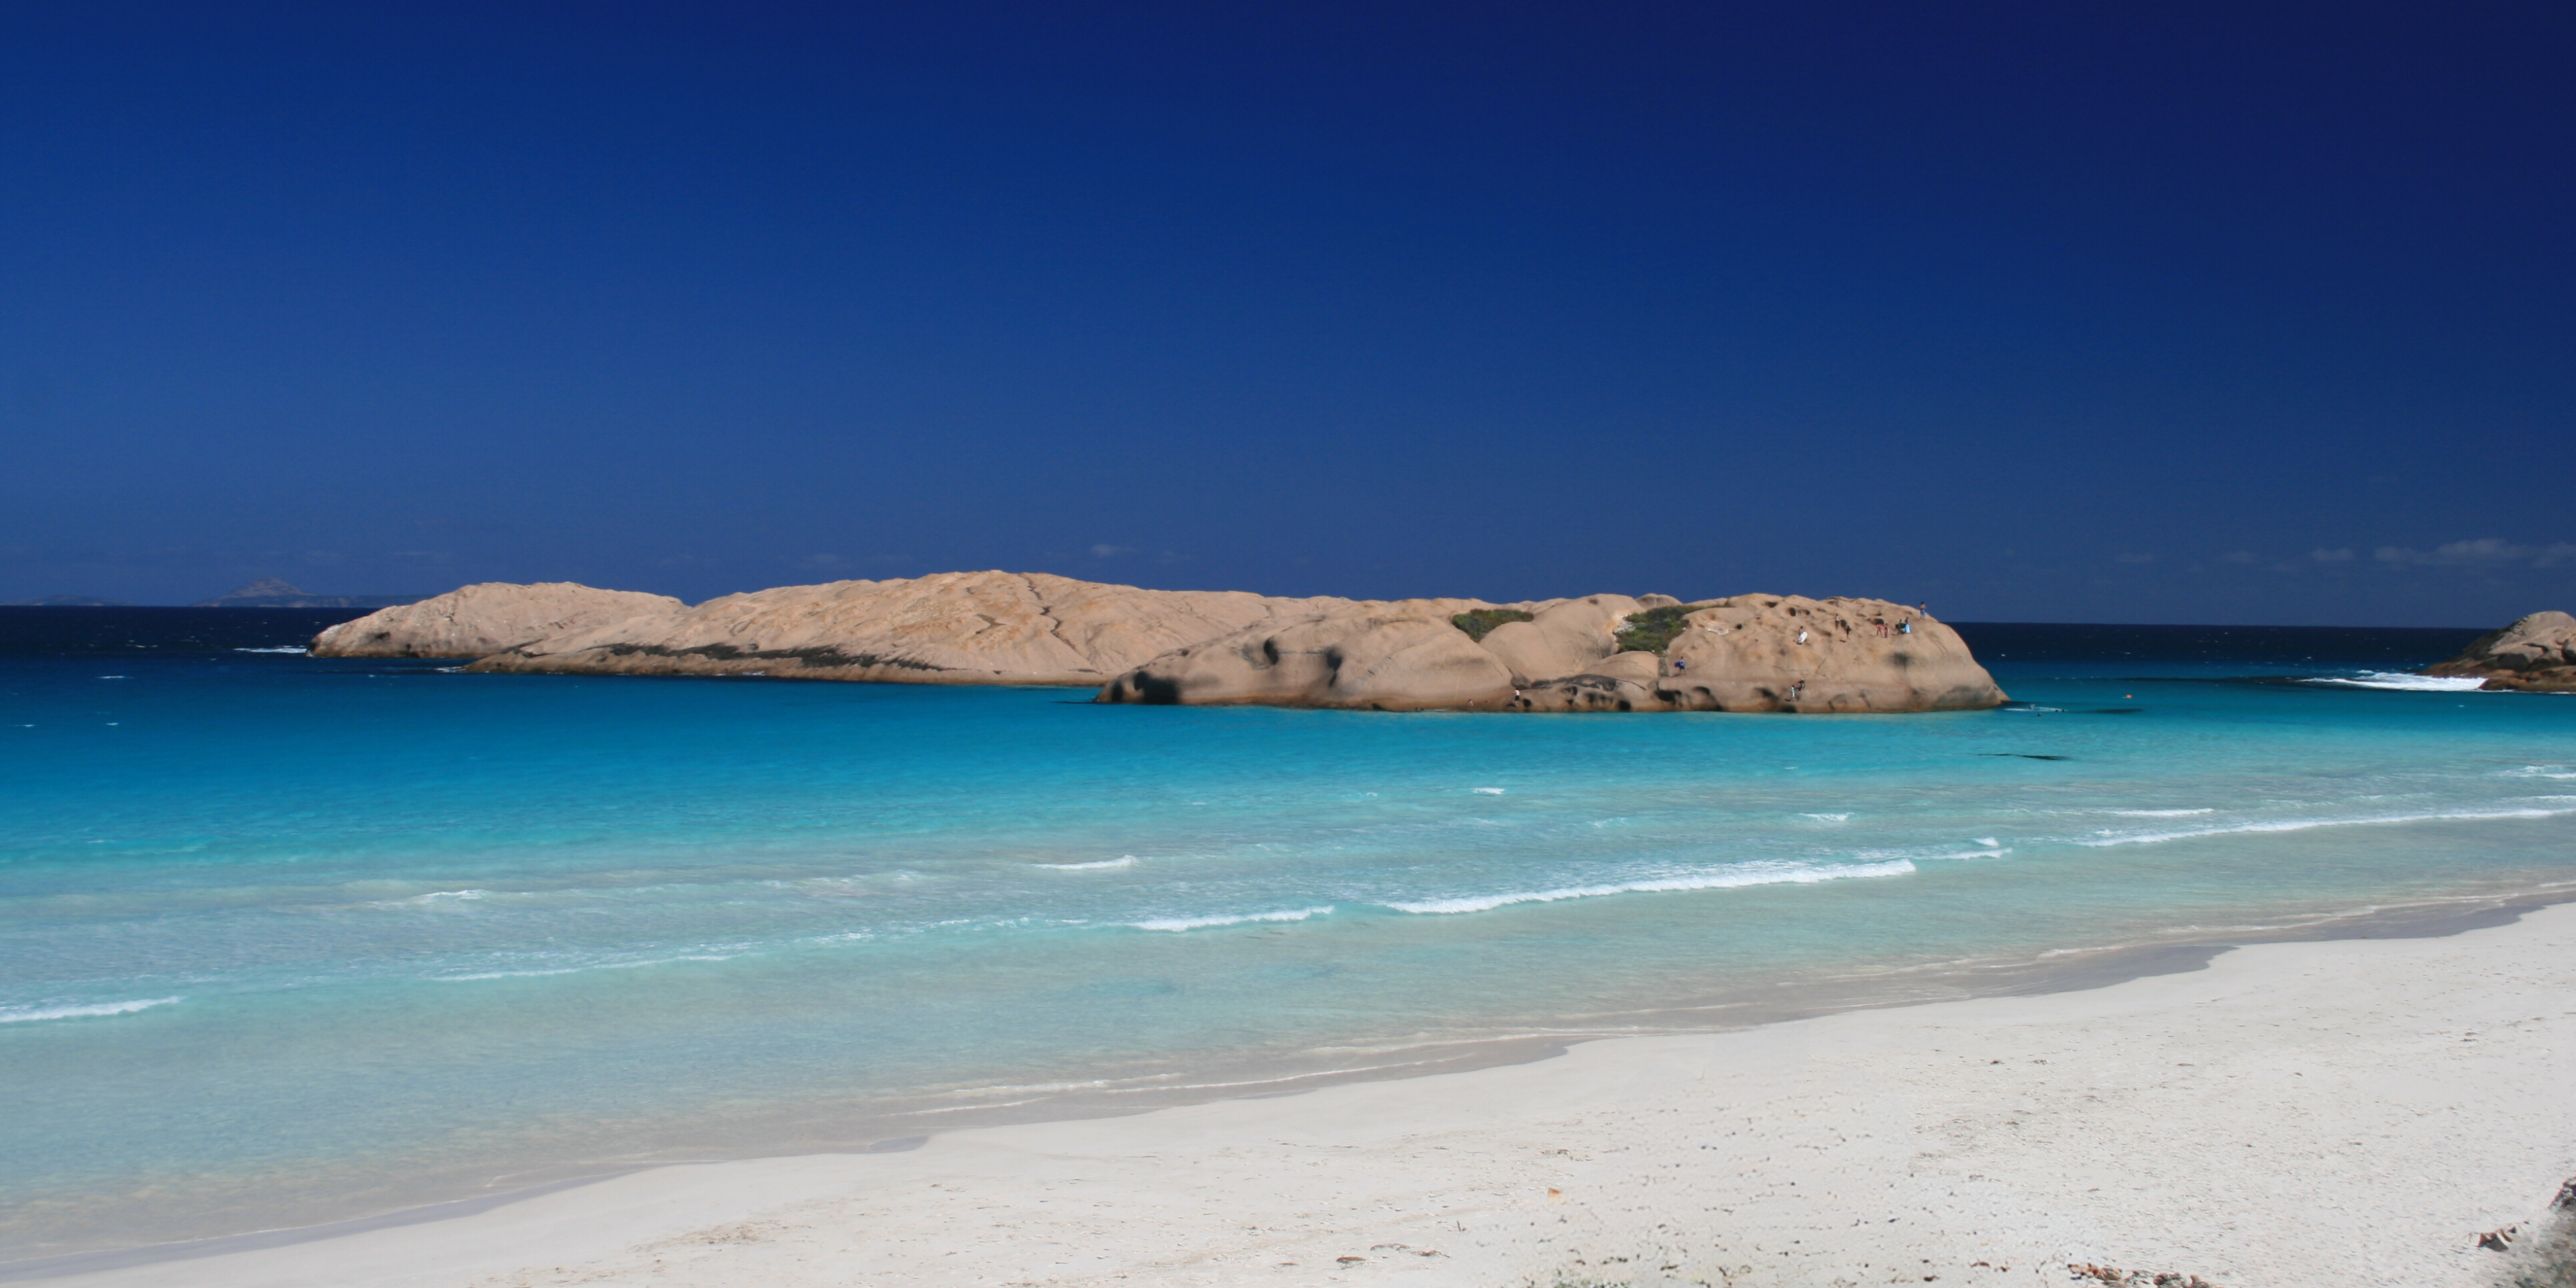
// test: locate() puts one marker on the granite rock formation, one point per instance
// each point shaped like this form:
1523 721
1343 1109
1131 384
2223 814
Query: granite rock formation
1564 639
1404 655
483 619
948 628
1747 653
1595 653
2536 654
1780 653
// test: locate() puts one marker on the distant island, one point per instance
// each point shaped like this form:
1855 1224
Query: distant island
270 592
1603 652
267 592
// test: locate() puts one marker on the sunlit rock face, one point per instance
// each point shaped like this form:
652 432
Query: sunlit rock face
949 628
1212 648
2536 653
480 620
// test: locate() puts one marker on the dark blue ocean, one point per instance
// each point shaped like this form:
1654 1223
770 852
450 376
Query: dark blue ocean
286 939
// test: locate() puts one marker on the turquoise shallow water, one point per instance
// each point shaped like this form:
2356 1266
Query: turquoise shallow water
284 939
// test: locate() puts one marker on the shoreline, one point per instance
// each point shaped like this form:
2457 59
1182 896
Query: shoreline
2089 974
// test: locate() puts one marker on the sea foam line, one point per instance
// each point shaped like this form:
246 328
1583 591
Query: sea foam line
2159 813
1127 861
25 1014
573 970
284 648
2303 824
1695 881
2404 682
1198 923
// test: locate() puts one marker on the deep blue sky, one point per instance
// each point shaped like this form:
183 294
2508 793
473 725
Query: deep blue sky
2206 314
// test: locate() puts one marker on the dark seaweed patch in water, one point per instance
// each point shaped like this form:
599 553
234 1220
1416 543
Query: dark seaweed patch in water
2025 755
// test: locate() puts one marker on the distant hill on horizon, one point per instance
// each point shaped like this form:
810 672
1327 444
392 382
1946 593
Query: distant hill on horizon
67 601
270 592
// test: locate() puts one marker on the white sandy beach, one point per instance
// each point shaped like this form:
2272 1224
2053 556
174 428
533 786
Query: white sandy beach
2349 1112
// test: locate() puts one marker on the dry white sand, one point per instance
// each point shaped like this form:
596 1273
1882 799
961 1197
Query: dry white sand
2341 1113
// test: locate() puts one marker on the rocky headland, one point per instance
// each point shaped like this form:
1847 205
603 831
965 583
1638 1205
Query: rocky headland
1209 648
484 619
2536 654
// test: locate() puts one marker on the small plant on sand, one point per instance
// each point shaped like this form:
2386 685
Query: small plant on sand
1652 631
1478 621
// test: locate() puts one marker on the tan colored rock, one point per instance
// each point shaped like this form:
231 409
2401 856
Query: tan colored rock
1634 666
2537 654
1791 653
949 628
1210 647
1561 639
1399 656
483 619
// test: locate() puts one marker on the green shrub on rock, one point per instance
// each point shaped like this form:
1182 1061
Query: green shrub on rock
1478 621
1652 631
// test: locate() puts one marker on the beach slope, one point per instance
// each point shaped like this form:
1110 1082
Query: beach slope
2335 1113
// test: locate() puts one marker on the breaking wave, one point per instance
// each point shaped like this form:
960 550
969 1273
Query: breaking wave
1743 876
2402 680
2303 824
27 1014
1200 923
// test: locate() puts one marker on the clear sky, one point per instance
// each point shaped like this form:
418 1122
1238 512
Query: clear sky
2214 313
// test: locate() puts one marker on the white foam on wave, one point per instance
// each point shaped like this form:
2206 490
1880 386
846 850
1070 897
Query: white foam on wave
2402 681
1989 842
1201 923
1828 818
1125 861
2158 813
1721 880
27 1014
575 970
2303 824
283 648
1489 791
454 894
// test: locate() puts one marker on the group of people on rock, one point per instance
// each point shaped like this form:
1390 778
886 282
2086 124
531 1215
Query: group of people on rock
1905 627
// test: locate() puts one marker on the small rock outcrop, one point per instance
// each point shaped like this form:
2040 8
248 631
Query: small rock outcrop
948 628
1791 653
1406 655
2536 654
483 619
1777 653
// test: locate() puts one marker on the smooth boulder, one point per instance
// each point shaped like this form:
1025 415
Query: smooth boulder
1561 639
1401 656
1788 653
